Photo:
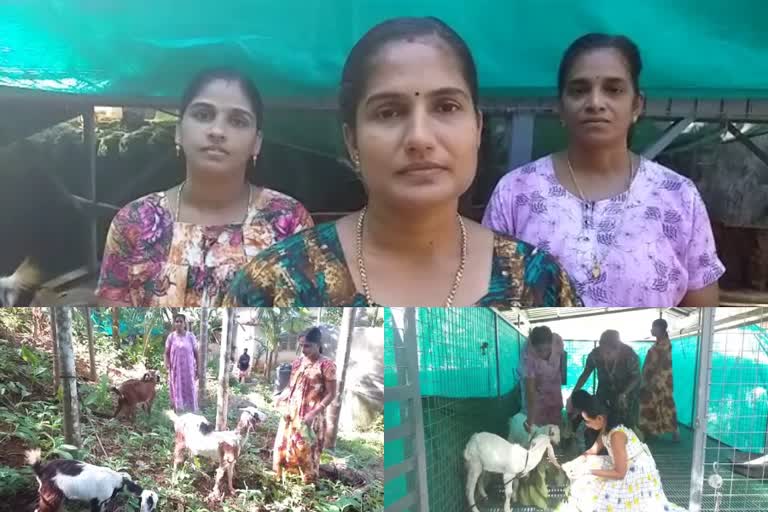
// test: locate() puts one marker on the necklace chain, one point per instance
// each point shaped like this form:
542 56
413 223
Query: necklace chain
596 270
364 273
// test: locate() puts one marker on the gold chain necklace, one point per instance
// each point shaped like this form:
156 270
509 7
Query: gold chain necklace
364 274
596 270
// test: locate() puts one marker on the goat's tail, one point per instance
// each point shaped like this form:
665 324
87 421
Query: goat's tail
469 449
33 459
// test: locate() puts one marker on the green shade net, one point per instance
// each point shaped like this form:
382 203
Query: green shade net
295 49
146 51
464 391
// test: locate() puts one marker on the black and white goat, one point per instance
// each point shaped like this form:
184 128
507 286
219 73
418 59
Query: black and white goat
62 479
195 434
492 453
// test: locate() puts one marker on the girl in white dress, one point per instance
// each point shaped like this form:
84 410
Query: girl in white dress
624 480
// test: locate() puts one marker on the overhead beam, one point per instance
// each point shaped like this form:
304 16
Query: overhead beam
668 137
757 151
705 110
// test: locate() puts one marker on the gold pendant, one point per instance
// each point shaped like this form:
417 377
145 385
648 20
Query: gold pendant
596 270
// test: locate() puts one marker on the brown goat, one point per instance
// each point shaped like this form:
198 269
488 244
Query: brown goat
136 391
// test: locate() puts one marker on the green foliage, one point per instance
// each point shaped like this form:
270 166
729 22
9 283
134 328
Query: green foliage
31 416
14 480
98 397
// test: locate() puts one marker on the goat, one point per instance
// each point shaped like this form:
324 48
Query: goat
136 391
492 453
21 286
62 479
196 434
518 434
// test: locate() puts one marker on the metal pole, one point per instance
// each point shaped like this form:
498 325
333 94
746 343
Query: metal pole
702 405
520 138
496 338
89 142
411 353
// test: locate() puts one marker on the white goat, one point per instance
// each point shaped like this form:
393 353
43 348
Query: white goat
196 434
518 434
489 452
62 479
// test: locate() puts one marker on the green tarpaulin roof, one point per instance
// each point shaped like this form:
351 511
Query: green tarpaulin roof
295 49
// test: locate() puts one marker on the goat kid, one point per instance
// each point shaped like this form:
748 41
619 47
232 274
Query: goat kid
136 391
492 453
518 434
74 480
195 434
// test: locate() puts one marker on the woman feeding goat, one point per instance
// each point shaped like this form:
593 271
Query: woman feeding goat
301 434
625 479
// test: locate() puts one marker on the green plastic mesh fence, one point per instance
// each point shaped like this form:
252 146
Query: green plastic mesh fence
468 360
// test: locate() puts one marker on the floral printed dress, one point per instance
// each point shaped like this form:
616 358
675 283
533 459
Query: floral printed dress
310 269
639 491
151 260
658 413
298 446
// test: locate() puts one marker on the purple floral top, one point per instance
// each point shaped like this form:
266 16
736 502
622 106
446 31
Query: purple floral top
652 243
150 260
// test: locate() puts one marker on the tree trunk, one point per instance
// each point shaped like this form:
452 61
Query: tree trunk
202 353
116 327
71 419
225 367
91 350
38 316
342 362
55 346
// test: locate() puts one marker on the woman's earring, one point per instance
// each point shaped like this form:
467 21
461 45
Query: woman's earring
356 160
178 151
255 157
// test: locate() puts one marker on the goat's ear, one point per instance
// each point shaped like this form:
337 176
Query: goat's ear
147 377
132 487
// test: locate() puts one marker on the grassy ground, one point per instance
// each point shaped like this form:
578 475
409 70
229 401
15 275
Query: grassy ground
29 417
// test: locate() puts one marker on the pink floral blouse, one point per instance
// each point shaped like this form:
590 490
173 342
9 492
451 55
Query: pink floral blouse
150 260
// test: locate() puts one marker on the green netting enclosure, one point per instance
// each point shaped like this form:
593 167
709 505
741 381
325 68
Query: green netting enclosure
144 52
452 372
